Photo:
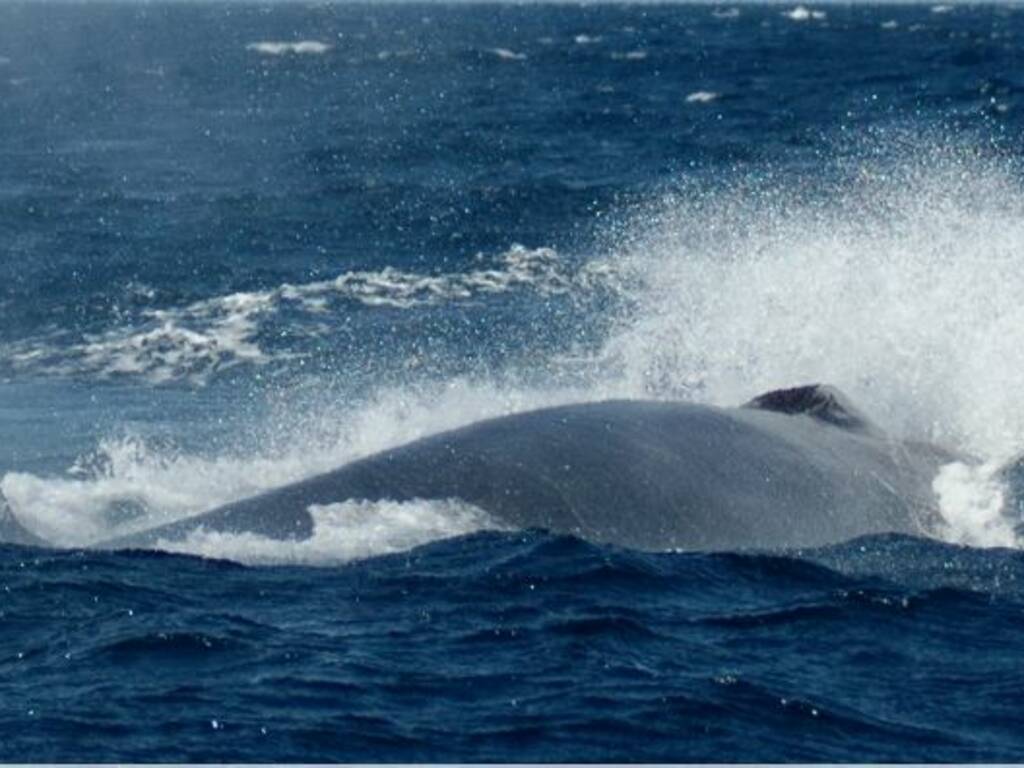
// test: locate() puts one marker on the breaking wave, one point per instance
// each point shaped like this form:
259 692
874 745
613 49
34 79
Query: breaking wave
213 335
300 47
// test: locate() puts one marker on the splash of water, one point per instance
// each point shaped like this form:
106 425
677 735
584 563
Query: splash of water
347 531
129 484
894 274
900 282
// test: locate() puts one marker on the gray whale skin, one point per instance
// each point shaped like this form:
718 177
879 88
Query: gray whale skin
792 468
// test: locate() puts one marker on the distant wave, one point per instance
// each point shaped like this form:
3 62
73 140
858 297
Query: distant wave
630 55
801 13
701 97
277 48
505 53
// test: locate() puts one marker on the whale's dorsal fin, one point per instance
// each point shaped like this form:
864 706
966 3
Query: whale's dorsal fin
819 401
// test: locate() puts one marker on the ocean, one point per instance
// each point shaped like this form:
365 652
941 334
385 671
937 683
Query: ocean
244 243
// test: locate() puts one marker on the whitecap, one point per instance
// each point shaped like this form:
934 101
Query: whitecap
508 55
701 97
629 55
198 340
587 39
802 13
279 48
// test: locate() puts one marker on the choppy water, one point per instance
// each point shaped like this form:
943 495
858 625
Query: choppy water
242 243
524 647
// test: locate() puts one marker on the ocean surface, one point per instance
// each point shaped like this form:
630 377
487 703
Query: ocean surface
243 243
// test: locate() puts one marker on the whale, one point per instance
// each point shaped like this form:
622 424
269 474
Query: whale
792 468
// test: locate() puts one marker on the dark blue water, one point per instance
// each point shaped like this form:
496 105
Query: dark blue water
524 647
244 243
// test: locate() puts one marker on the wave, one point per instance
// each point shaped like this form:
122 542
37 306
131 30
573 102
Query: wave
279 48
801 13
210 336
701 97
505 53
638 55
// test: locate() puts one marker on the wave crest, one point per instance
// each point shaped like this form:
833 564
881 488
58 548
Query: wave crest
210 336
279 48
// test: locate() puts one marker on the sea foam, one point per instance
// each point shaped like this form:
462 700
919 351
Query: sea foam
801 13
505 53
701 97
279 48
343 532
198 340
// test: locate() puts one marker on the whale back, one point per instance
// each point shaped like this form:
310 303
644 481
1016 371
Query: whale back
790 470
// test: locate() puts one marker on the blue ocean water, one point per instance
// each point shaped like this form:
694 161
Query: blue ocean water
243 243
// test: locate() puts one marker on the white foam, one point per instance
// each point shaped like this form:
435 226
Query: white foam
890 24
195 341
344 532
280 48
971 502
629 55
726 13
802 13
701 97
505 53
127 485
900 283
941 8
587 39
